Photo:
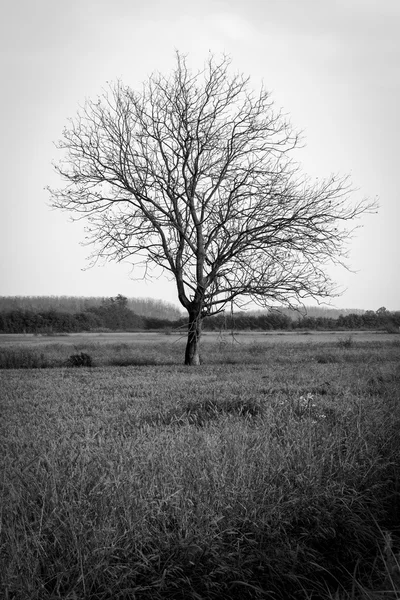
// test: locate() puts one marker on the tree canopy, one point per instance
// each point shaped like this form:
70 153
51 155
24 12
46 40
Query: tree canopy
194 176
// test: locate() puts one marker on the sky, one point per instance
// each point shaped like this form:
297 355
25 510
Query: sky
332 65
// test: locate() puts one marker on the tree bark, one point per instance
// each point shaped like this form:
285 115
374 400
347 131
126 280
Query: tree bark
192 356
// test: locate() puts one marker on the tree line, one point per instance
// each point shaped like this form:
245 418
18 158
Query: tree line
382 319
111 314
114 314
146 307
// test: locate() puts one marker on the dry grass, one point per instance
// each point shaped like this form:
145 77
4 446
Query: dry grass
267 472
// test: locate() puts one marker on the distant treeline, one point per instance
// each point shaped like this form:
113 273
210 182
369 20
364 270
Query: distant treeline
380 319
110 314
115 314
145 307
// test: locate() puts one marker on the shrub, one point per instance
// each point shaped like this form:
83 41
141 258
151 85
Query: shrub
346 342
80 360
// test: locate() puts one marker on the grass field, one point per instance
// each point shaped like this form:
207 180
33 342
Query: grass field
244 337
270 471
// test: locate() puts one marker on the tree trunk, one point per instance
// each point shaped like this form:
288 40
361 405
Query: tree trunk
192 356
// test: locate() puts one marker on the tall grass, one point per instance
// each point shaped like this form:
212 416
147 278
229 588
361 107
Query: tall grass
266 473
171 352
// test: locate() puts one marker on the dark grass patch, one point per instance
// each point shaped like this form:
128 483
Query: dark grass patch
24 358
200 413
326 358
322 389
134 361
383 384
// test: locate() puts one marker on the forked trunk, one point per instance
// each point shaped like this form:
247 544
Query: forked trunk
192 356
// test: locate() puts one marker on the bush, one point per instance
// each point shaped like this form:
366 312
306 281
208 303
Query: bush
346 342
80 360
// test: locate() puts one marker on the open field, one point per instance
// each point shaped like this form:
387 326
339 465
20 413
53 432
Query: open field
160 337
270 471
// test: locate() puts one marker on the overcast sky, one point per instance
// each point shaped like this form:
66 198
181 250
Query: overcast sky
333 65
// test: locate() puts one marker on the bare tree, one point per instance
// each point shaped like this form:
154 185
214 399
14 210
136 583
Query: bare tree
194 176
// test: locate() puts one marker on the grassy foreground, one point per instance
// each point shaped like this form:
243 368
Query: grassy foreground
271 471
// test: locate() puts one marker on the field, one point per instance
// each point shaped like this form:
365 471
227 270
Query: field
159 337
270 471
